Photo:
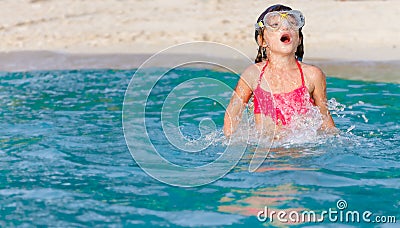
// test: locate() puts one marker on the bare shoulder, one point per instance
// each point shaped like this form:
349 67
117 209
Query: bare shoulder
251 74
313 73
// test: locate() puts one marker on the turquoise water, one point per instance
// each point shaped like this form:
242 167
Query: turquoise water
64 160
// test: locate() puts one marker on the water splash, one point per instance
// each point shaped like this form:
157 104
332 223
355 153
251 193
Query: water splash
304 129
336 108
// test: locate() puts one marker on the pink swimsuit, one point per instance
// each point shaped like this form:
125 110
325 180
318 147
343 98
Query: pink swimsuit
283 105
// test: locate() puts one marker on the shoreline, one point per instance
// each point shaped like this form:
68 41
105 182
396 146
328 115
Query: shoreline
22 61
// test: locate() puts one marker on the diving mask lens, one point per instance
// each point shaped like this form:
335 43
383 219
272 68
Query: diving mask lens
293 19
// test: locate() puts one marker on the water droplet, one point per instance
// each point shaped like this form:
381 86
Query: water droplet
350 128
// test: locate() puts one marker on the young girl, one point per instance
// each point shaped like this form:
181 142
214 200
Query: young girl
282 86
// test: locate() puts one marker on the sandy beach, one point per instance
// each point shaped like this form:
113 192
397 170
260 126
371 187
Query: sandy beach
57 34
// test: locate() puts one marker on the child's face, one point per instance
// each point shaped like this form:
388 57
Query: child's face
284 40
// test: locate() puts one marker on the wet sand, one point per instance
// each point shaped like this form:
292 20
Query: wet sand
381 71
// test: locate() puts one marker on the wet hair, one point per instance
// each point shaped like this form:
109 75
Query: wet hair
262 54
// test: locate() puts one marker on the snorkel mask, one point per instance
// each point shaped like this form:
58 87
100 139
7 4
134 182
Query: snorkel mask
273 21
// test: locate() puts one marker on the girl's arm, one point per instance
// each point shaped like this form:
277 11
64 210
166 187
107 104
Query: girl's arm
240 97
319 95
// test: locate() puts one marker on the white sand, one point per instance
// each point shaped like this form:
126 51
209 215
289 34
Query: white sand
338 30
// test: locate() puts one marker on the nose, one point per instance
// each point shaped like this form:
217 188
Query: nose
285 25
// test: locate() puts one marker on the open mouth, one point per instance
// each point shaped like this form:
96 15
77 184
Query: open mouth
285 38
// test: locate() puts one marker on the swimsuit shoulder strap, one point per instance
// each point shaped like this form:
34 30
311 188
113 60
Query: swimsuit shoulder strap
301 73
262 72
